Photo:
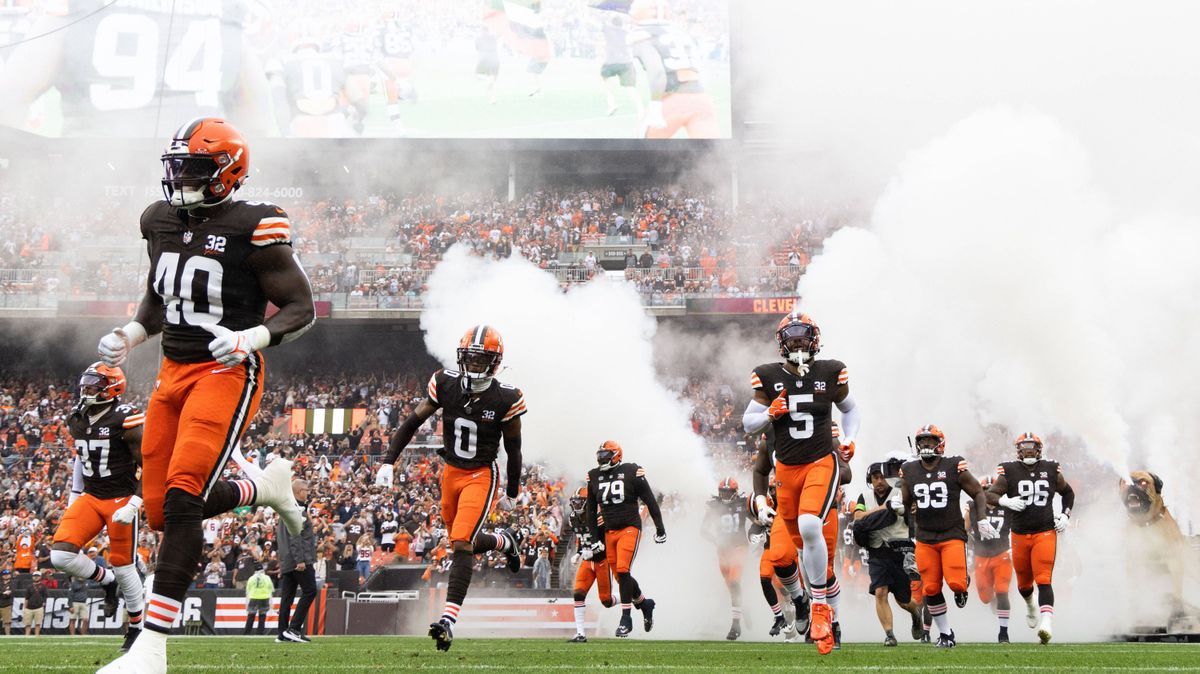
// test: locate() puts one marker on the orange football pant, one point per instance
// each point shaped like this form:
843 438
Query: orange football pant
1033 558
993 575
467 495
690 111
730 560
806 489
87 516
780 553
195 418
620 547
597 573
945 560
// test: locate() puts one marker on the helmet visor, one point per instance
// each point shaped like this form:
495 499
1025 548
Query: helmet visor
928 441
1028 446
798 337
189 169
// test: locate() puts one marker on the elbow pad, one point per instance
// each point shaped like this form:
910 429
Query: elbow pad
755 418
851 419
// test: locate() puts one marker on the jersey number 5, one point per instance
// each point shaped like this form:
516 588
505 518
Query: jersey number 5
804 418
186 300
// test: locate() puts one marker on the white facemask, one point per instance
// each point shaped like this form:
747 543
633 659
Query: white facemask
1029 460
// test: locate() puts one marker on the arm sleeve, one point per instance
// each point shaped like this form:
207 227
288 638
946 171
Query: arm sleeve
647 495
590 515
512 447
755 418
851 418
1068 497
77 478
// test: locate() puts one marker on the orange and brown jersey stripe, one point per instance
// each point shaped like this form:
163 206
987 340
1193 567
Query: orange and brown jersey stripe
755 380
843 377
134 420
517 409
432 388
962 466
271 231
1000 470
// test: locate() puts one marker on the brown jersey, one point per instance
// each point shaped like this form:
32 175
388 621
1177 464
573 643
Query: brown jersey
472 423
198 263
805 434
936 494
109 466
1036 486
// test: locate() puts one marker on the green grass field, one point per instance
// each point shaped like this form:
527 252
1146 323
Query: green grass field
386 654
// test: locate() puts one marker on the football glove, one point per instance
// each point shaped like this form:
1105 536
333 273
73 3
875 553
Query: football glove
1061 521
758 539
1012 503
597 548
660 536
779 406
987 532
505 503
230 348
576 557
766 514
128 512
896 502
585 552
114 347
847 451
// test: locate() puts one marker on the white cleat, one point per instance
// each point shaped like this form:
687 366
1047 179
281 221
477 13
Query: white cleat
1031 613
147 655
275 490
1044 632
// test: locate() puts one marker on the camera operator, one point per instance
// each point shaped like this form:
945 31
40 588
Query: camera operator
881 527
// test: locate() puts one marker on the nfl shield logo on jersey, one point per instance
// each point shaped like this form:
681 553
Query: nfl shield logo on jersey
187 237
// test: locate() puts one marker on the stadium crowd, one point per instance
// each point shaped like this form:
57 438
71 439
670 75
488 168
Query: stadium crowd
365 514
676 240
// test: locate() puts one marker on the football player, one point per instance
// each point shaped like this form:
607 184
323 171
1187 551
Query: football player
314 83
668 56
725 526
478 412
614 489
795 398
121 70
105 492
993 561
593 564
1026 488
617 70
889 548
215 262
931 487
778 560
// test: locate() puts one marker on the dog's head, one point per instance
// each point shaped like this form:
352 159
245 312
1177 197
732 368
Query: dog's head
1142 496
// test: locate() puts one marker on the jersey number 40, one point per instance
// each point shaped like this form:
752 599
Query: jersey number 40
185 303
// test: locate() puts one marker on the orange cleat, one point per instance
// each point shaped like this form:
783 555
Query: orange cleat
821 630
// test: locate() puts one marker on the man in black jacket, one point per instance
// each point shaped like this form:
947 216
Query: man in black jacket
297 554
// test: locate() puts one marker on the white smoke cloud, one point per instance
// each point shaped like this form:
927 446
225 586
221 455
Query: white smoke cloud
585 362
992 288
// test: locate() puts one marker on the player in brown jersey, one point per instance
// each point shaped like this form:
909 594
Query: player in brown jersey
105 492
669 57
215 262
121 67
725 526
1026 488
993 561
478 412
932 486
593 565
614 490
796 398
